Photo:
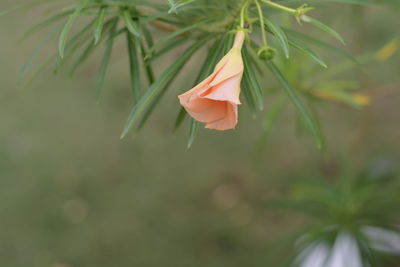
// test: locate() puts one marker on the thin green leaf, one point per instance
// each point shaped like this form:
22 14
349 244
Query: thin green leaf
228 43
247 93
193 127
34 55
133 3
99 24
39 70
355 2
105 61
131 24
317 121
323 27
157 16
168 47
155 101
307 51
279 35
134 66
179 118
250 76
67 27
159 85
147 65
176 34
73 45
117 33
311 40
45 23
90 48
175 6
82 58
144 50
255 59
147 35
298 103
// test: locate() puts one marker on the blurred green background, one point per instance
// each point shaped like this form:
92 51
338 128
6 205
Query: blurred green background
73 194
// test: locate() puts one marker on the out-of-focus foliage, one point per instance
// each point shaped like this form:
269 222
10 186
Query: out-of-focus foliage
358 213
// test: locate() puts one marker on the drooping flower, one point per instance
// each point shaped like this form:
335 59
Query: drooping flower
215 100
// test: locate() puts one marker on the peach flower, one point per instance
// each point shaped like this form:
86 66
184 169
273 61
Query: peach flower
215 100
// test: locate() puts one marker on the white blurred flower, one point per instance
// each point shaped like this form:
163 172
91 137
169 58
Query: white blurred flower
313 256
344 253
383 240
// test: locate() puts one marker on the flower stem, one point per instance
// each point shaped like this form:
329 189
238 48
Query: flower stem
280 7
243 14
261 15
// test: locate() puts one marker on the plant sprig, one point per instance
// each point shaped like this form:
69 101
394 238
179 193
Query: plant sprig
188 23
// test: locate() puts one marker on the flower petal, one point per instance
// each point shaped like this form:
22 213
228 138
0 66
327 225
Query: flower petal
229 121
229 90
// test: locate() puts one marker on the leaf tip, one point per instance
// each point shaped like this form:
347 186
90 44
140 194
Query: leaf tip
190 144
123 135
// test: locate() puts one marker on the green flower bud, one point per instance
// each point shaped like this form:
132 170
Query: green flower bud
266 53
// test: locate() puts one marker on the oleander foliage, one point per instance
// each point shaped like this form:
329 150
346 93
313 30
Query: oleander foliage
280 44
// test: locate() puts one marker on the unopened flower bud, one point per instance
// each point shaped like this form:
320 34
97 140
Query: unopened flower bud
266 53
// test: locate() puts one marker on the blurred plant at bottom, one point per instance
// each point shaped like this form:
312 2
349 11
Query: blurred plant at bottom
354 220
